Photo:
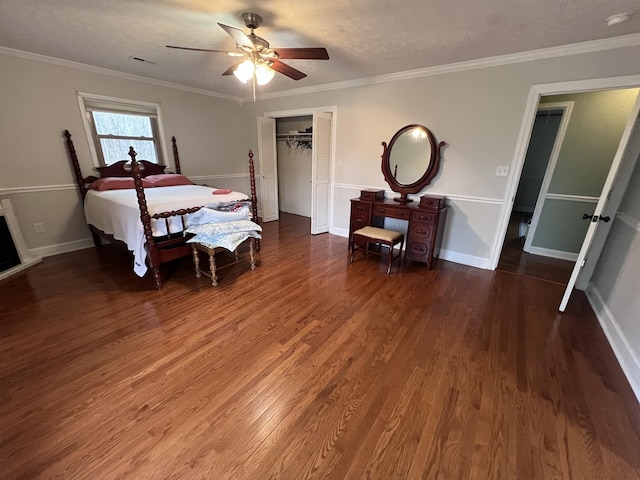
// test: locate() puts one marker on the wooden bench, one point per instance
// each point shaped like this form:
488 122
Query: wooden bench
212 259
361 240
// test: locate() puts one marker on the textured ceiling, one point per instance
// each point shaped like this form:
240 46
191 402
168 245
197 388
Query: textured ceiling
363 38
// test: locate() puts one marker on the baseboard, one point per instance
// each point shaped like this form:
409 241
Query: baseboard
464 259
627 358
547 252
341 232
59 248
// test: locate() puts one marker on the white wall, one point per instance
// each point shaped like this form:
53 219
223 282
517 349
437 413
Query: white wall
39 102
478 113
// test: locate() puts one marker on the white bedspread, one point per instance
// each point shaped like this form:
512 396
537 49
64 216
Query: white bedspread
116 212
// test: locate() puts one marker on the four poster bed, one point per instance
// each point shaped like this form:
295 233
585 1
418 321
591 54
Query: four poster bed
121 207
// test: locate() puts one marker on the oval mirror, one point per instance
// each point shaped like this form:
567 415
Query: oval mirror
411 160
410 156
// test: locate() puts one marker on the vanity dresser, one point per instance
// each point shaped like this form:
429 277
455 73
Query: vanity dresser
426 221
409 163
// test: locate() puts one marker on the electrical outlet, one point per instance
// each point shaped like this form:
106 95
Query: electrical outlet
502 171
38 227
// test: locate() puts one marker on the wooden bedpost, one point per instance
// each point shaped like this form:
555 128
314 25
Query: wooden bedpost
76 165
254 199
146 219
82 183
176 157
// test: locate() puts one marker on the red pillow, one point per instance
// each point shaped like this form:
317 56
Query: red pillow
117 183
168 180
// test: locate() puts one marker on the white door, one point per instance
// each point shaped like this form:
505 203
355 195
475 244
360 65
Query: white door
621 155
615 198
267 159
321 171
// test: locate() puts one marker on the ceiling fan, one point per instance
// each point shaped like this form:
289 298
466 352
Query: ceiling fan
256 59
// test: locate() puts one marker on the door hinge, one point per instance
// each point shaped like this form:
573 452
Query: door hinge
595 219
583 263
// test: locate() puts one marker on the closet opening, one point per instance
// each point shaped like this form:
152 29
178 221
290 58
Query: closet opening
294 143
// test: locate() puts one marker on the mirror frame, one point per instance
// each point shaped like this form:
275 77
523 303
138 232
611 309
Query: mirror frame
431 171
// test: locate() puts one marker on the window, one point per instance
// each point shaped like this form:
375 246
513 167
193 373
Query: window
114 125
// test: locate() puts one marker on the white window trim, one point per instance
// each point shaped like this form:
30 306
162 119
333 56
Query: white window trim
164 157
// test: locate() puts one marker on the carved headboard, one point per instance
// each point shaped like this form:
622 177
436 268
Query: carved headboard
123 169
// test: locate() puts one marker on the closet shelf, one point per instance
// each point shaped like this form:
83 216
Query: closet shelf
294 135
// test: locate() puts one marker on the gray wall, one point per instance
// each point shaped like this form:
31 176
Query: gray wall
615 282
478 113
39 102
543 136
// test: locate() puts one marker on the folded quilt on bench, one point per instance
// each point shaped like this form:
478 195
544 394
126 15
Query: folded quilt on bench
229 234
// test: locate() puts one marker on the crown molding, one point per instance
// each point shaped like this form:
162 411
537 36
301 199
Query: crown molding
541 54
115 73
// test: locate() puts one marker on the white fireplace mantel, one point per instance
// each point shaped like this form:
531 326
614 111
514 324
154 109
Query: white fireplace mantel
26 258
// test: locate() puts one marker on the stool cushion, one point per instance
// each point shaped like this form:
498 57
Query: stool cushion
379 234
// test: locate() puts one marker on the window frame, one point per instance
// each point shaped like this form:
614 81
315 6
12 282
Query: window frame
90 102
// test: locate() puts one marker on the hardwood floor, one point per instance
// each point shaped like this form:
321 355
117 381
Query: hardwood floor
513 259
307 367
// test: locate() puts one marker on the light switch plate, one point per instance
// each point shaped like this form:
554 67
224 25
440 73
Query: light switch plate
502 171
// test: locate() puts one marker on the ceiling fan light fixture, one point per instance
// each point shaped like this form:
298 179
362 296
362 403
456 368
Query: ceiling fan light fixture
264 74
244 71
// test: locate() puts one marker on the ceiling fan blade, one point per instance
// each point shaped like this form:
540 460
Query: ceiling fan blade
285 69
302 53
241 39
199 49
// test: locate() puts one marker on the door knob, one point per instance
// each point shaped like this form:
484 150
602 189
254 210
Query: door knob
595 218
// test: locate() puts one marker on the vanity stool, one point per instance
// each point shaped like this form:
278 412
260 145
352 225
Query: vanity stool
377 236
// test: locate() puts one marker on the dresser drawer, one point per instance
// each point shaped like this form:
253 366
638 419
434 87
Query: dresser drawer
424 217
420 231
392 212
372 195
359 221
360 207
431 202
418 250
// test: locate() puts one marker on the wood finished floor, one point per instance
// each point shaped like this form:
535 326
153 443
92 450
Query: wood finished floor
513 259
307 367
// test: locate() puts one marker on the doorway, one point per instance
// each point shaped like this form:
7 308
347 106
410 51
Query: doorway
595 142
547 136
294 142
286 141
